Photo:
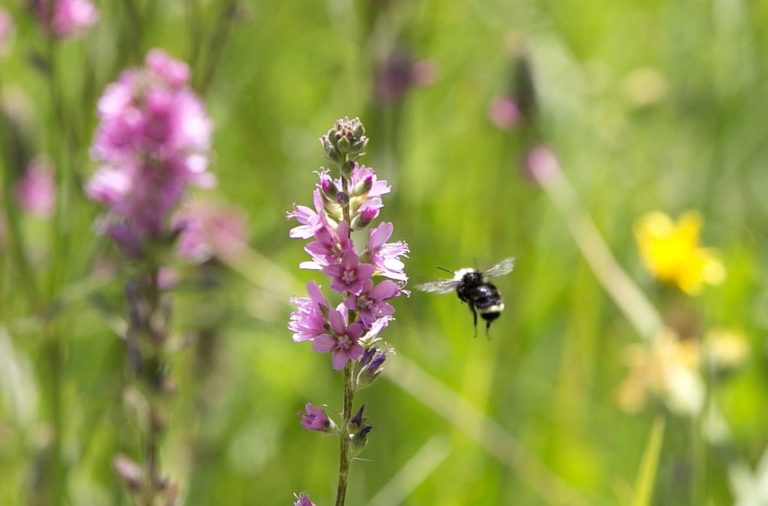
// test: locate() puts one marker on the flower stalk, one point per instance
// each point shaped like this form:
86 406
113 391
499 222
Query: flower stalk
350 330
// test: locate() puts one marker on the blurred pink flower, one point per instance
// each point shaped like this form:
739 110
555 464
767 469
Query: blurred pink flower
152 142
6 28
210 230
69 17
398 73
503 112
540 163
35 191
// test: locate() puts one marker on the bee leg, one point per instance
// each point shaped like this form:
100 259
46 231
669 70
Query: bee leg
474 317
487 328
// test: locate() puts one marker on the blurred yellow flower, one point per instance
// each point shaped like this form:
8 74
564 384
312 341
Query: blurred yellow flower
726 349
672 253
667 369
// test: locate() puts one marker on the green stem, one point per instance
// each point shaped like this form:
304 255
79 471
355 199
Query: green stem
341 490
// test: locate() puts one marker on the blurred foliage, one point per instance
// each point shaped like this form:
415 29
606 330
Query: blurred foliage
649 105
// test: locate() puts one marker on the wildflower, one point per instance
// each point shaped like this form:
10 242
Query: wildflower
342 339
36 190
369 303
672 253
330 246
302 500
315 419
66 18
210 230
309 319
668 369
503 112
152 142
384 256
350 274
309 221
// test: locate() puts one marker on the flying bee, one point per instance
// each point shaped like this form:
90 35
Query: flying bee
472 286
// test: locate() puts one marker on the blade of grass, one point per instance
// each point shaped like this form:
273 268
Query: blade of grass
646 476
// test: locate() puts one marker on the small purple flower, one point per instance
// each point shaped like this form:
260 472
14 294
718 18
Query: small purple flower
371 366
310 221
36 190
309 319
66 18
329 247
369 303
341 340
350 274
384 256
302 500
314 418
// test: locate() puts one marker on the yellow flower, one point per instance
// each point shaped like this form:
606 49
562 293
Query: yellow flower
672 253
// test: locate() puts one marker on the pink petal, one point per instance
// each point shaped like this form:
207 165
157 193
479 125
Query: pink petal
324 343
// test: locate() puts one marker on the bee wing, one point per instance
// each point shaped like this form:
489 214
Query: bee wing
501 268
440 286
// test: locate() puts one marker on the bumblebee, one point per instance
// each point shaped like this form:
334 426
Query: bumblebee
473 288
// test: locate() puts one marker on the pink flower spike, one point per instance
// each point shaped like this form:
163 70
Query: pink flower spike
349 275
541 164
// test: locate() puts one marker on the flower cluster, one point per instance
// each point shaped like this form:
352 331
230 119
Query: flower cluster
66 18
672 253
35 191
152 143
350 202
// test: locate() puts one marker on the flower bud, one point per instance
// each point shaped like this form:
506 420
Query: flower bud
371 363
328 188
364 218
359 440
315 419
129 472
363 186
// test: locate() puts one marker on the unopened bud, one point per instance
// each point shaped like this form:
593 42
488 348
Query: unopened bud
363 186
364 218
328 188
129 472
359 440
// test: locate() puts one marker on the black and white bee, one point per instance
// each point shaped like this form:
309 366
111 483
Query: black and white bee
472 286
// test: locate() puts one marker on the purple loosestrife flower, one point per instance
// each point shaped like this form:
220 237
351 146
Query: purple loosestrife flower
65 18
329 246
315 419
341 339
369 303
385 256
350 274
152 143
310 318
302 500
309 221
